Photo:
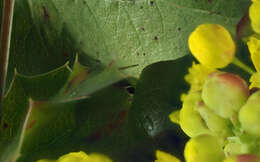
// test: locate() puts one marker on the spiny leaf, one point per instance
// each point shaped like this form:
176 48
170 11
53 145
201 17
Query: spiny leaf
82 82
16 107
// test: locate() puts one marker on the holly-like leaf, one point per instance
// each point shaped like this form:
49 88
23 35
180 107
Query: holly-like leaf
17 108
15 111
56 129
36 48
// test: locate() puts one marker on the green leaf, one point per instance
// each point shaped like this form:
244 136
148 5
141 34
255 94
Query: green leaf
83 82
45 86
36 47
17 110
56 129
134 33
157 95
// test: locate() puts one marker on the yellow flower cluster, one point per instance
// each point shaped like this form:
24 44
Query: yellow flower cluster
213 47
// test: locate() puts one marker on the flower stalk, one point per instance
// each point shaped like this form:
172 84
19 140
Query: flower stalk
6 28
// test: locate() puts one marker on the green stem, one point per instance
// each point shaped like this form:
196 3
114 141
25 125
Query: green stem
243 66
6 28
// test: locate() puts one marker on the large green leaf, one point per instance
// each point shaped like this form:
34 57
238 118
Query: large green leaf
134 33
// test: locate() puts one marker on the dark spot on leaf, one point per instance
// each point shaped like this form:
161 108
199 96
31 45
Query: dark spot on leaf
209 1
111 63
31 124
5 125
45 13
137 53
84 2
65 54
127 67
130 90
141 7
130 99
108 128
144 54
37 104
156 38
151 3
142 28
122 84
77 79
179 28
93 137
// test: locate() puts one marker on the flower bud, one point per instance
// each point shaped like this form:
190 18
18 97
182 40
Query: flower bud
218 125
225 93
235 148
212 45
204 148
249 115
190 120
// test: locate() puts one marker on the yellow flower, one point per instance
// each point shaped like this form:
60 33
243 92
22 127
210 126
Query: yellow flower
73 157
165 157
254 48
80 157
212 45
189 118
230 159
46 160
255 80
254 14
197 76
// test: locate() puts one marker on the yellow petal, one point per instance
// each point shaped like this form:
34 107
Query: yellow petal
254 14
95 157
212 45
197 76
74 157
165 157
230 159
80 157
254 48
175 116
255 80
46 160
190 121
